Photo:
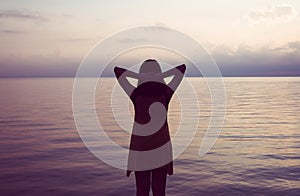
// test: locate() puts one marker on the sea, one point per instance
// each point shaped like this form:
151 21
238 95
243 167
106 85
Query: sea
256 151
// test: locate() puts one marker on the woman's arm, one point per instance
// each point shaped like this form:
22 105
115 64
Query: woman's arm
121 75
178 73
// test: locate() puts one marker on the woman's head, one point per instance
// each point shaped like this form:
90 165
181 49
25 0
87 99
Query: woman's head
148 68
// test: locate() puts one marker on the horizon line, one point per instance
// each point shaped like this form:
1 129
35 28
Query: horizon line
228 76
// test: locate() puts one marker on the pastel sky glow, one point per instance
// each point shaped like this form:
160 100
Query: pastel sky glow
51 37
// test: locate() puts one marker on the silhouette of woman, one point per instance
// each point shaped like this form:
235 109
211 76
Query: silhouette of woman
150 132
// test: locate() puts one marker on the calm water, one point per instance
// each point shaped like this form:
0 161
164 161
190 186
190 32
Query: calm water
258 151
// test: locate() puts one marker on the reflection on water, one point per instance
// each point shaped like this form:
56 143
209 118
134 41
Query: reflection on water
258 151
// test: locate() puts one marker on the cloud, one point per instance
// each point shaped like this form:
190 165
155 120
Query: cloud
8 31
294 45
160 23
275 14
21 14
268 60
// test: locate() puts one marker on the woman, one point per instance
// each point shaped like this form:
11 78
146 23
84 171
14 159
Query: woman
150 155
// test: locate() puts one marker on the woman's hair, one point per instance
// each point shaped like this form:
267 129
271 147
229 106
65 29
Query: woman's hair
150 66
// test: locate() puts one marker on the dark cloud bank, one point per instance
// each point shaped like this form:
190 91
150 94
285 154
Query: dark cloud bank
243 61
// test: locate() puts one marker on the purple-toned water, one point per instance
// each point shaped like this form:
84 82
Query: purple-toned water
258 151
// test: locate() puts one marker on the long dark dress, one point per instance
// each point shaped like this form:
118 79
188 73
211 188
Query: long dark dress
142 97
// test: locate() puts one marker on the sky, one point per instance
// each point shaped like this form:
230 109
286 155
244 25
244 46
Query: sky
246 38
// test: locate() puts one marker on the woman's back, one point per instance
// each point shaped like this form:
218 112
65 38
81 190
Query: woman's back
150 130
